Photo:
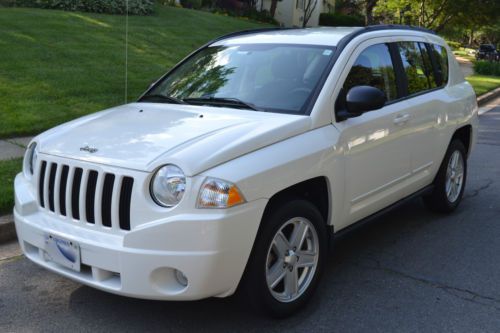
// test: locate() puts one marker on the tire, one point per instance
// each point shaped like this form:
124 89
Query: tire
440 199
271 258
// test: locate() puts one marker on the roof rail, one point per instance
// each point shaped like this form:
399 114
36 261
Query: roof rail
361 31
247 32
397 26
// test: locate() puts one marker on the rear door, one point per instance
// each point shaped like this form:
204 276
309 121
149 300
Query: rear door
425 103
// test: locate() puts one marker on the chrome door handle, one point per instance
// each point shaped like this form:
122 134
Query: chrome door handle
401 119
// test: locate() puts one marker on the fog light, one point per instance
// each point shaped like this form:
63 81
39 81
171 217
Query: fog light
181 278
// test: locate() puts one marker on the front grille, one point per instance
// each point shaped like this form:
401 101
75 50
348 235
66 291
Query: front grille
86 195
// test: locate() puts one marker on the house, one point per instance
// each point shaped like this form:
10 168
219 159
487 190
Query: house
290 13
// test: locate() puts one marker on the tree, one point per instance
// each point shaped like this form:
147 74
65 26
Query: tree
369 5
272 10
438 14
309 7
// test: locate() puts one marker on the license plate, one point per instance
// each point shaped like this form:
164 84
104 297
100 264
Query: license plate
62 251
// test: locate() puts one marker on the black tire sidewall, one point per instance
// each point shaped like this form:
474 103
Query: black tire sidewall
440 198
255 275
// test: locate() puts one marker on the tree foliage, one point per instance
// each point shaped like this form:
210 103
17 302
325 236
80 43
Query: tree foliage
438 14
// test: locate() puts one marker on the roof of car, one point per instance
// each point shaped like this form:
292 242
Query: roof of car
311 36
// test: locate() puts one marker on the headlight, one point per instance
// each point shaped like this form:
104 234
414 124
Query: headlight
217 193
168 185
30 160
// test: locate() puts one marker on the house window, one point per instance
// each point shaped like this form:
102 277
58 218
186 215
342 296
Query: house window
300 4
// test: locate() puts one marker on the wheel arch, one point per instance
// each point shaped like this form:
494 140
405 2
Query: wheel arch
315 190
464 135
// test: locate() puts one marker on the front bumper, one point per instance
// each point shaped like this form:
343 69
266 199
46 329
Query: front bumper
210 247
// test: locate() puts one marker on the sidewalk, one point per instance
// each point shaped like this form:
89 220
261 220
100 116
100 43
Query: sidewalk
13 148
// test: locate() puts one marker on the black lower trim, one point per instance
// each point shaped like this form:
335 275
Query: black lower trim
373 217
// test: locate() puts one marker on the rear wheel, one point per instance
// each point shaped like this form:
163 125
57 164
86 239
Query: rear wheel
287 259
449 184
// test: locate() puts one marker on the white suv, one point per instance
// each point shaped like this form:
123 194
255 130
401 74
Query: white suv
239 166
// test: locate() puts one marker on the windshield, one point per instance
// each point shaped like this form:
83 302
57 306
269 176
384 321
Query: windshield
265 77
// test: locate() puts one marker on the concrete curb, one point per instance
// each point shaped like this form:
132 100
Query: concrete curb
485 98
7 229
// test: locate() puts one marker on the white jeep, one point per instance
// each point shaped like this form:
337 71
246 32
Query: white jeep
239 166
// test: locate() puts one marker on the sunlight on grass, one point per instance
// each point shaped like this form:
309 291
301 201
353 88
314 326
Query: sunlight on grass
56 66
483 83
23 36
90 20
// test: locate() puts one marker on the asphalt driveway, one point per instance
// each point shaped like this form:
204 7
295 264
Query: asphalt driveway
410 271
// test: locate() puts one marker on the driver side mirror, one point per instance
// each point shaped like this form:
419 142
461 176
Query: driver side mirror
361 99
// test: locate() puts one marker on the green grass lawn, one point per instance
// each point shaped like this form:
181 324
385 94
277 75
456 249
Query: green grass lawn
56 65
483 83
8 170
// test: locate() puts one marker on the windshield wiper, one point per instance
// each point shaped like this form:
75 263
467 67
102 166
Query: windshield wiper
162 98
222 101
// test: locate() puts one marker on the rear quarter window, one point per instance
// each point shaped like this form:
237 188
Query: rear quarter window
441 56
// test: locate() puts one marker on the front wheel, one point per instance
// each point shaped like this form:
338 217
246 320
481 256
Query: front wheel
287 259
449 184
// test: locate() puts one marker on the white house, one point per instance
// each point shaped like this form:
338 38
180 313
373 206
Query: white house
290 13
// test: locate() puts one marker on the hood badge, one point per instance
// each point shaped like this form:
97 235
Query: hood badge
89 149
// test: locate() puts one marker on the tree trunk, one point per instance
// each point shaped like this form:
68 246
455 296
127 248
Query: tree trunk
369 5
471 37
272 10
308 10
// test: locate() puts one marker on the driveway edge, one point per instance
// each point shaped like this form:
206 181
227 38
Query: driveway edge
485 98
7 229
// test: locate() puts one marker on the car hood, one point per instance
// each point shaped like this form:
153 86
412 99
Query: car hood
143 136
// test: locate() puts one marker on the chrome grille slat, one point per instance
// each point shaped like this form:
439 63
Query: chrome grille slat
88 196
98 199
82 197
69 191
115 203
57 185
46 185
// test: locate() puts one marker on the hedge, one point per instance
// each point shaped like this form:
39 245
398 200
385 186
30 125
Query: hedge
487 68
135 7
340 20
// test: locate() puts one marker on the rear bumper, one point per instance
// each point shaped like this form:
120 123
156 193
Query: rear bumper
210 248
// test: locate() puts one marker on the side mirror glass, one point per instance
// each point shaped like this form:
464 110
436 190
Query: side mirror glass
361 99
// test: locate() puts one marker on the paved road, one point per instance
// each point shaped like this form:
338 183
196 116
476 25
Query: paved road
411 271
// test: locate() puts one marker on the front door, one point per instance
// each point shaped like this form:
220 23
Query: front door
375 144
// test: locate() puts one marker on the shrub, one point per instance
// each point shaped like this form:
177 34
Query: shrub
487 68
340 20
194 4
135 7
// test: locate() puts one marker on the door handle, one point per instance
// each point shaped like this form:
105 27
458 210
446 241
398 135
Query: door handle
401 119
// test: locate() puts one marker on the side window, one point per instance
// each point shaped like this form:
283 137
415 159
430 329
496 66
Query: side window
429 70
373 68
441 57
413 64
